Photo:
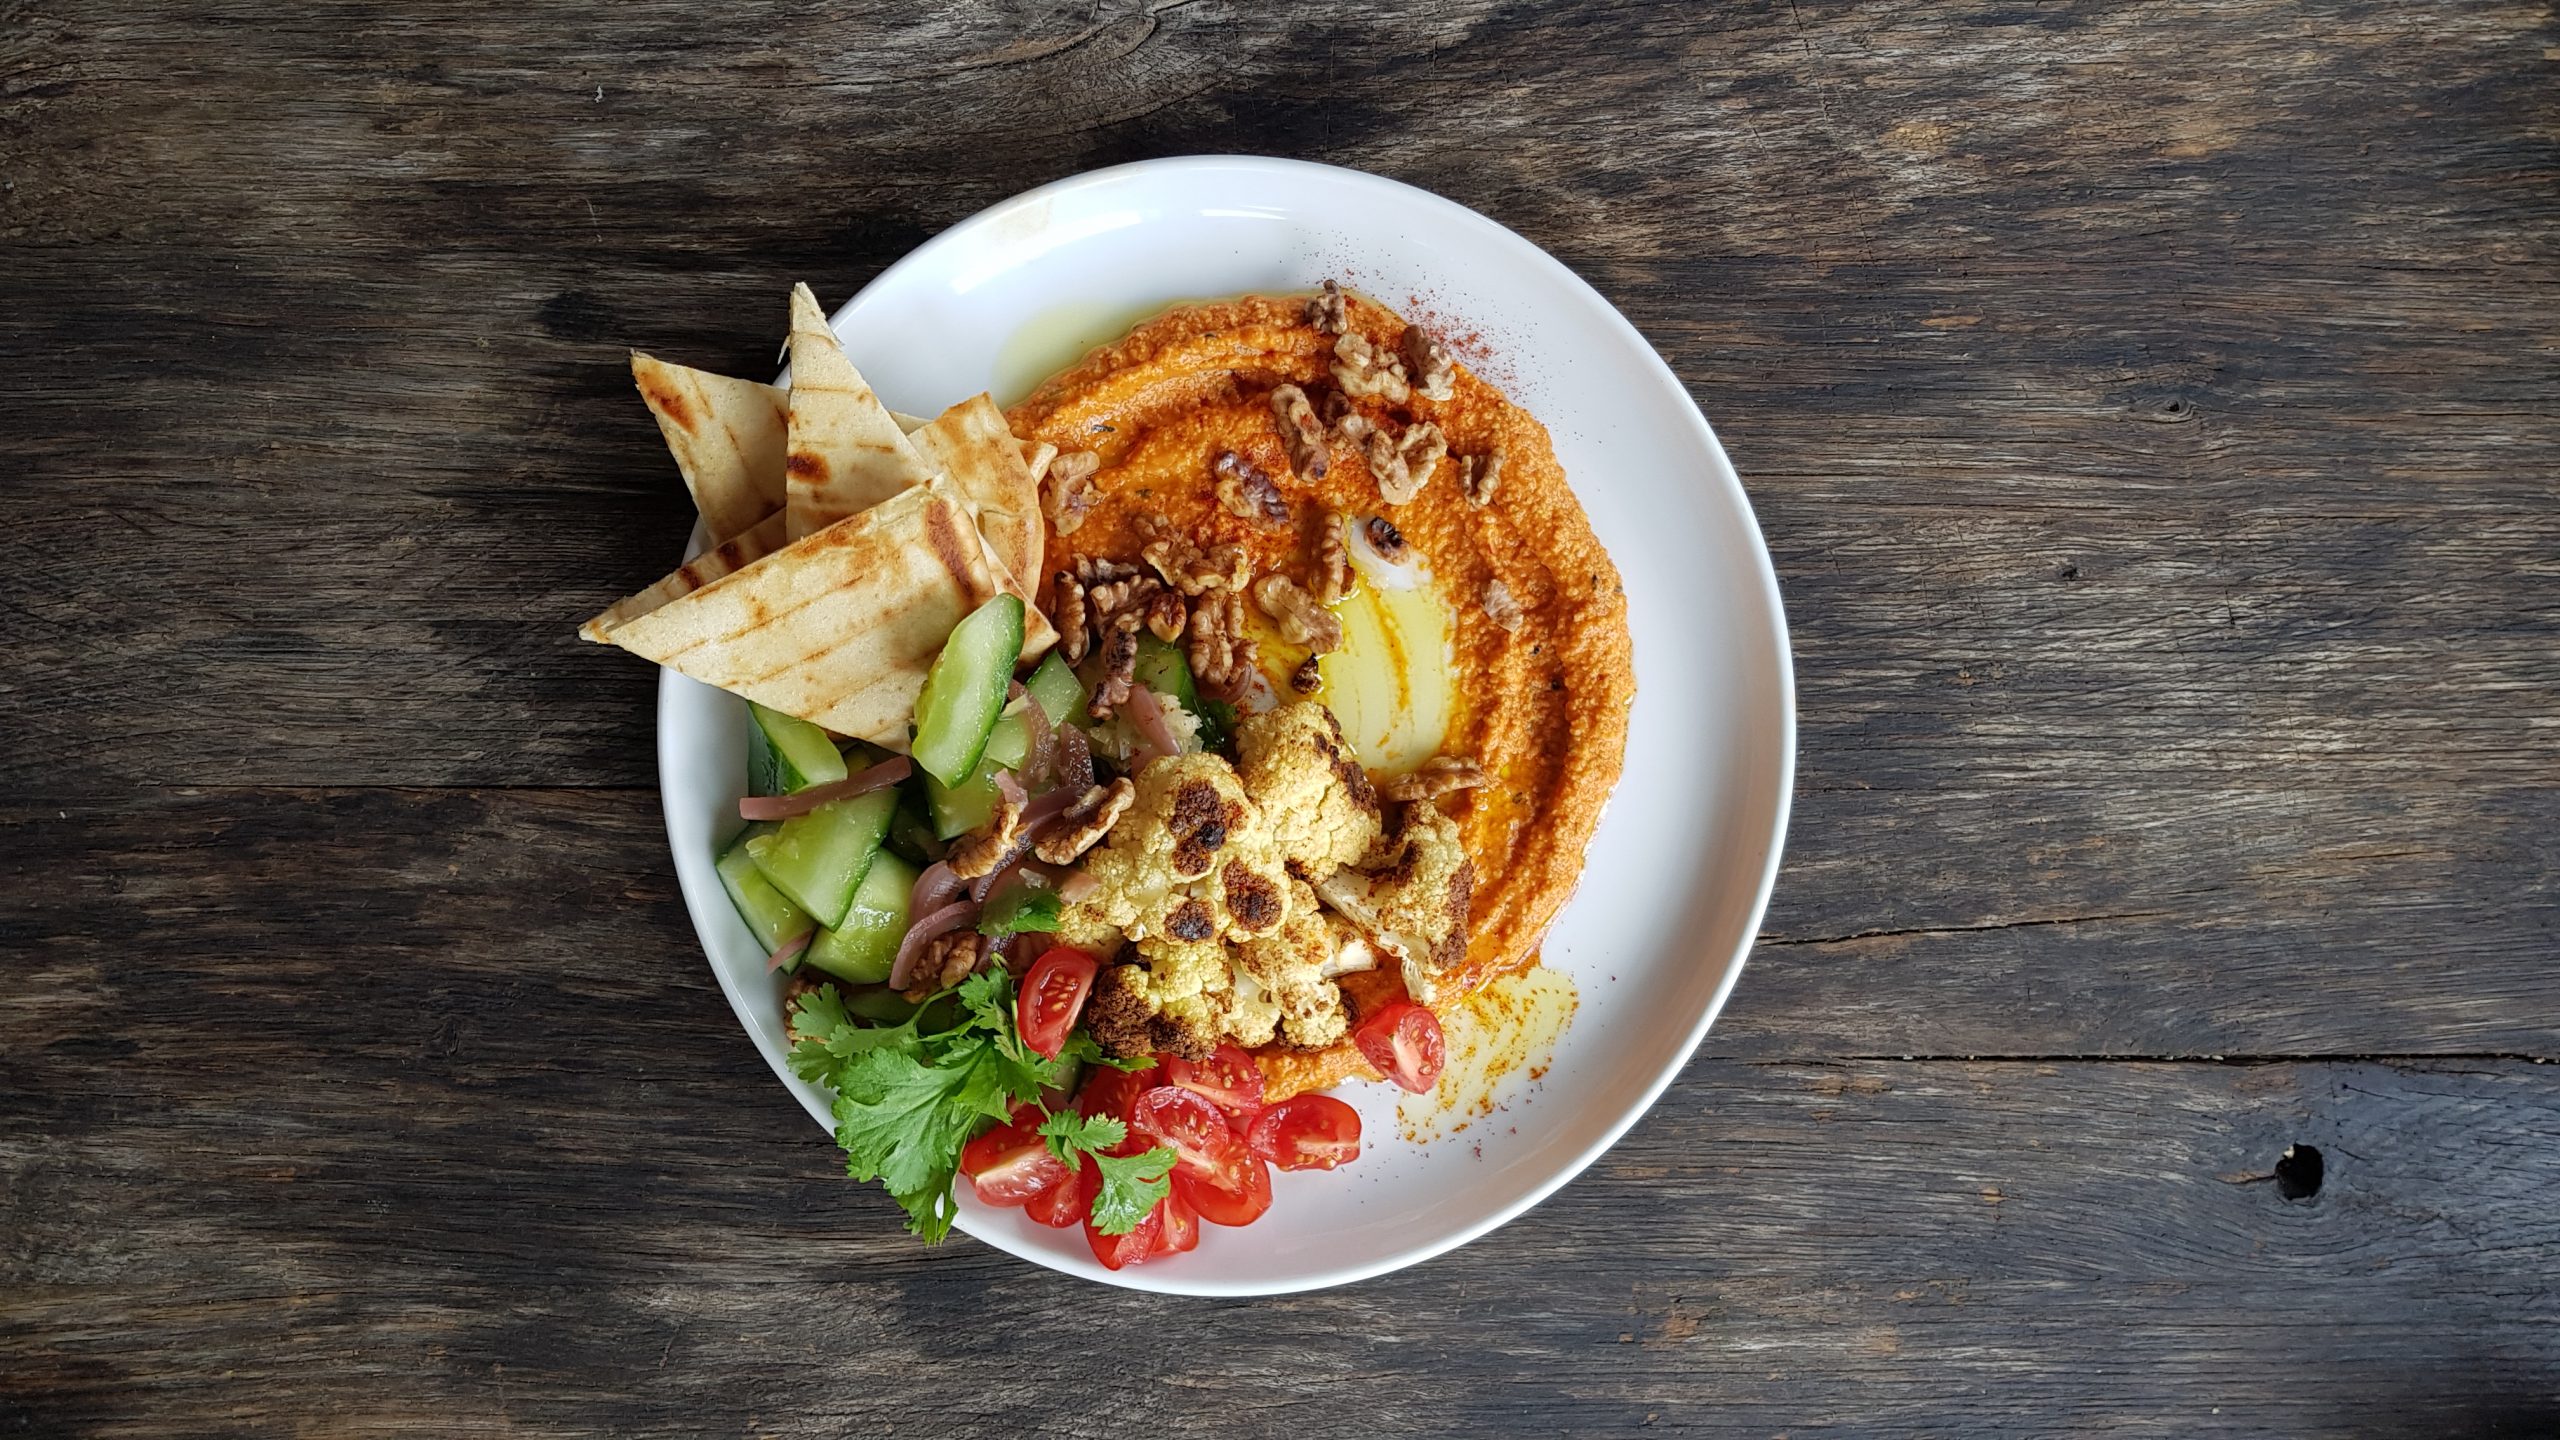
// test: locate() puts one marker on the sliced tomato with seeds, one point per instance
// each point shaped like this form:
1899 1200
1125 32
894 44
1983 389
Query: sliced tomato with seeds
1243 1204
1228 1079
1205 1147
1051 997
1133 1248
1019 1173
1177 1224
1067 1205
1109 1091
1308 1132
1403 1041
980 1153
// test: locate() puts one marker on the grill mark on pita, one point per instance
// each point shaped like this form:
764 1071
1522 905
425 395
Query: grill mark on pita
669 401
949 549
805 465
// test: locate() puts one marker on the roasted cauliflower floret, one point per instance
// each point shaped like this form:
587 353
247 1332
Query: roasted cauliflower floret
1315 798
1178 998
1297 966
1410 895
1191 861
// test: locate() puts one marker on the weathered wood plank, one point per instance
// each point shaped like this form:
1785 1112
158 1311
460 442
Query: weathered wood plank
509 1237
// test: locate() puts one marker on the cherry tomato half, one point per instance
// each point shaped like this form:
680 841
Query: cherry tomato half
1178 1225
1109 1091
1019 1173
980 1154
1403 1041
1133 1248
1205 1147
1308 1132
1240 1206
1228 1079
1067 1205
1051 998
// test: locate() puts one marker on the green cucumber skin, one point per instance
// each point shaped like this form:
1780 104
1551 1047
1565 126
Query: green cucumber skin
803 754
965 690
959 809
1162 668
769 914
862 949
911 833
819 858
1060 693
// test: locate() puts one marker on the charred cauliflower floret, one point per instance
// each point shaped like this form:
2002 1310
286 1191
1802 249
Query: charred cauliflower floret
1297 966
1321 811
1191 861
1178 998
1410 895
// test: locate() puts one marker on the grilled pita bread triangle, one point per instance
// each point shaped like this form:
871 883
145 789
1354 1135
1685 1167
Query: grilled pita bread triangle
839 627
847 453
728 436
692 575
971 444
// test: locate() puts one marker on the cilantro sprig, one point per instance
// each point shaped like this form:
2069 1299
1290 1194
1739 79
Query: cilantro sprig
910 1095
1131 1184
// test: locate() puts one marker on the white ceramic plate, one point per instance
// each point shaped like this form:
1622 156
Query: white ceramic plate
1682 865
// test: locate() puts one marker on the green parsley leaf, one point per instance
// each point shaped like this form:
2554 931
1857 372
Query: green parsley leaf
1025 909
1131 1186
1070 1134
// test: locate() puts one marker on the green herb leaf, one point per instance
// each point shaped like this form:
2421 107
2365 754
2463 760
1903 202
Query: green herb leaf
1131 1186
1070 1134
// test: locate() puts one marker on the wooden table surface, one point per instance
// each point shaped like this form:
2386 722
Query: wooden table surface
2154 412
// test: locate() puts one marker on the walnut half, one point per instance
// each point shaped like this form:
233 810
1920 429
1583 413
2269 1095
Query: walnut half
1248 494
1067 492
1309 453
1366 372
1086 822
1427 361
1480 476
1327 311
1302 621
1405 464
1222 655
1436 777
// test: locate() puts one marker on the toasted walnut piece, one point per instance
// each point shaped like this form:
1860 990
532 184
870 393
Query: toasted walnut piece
1248 494
1067 492
1113 596
1093 570
1343 420
1427 361
1066 604
976 855
1386 539
1086 822
1188 568
1308 678
1436 777
801 984
1165 615
947 960
1328 312
1480 476
1366 372
1222 654
1302 621
1119 666
1403 466
1309 455
1333 560
1501 608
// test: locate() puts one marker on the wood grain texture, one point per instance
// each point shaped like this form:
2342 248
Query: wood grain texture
2154 413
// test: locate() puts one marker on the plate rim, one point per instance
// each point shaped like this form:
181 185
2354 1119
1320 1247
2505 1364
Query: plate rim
1725 475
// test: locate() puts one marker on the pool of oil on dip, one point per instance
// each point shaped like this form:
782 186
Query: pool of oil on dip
1507 1027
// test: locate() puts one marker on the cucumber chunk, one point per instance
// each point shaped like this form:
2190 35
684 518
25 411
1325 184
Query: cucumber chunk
911 833
1162 668
1060 693
959 809
964 692
861 950
769 913
817 859
798 753
880 1007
